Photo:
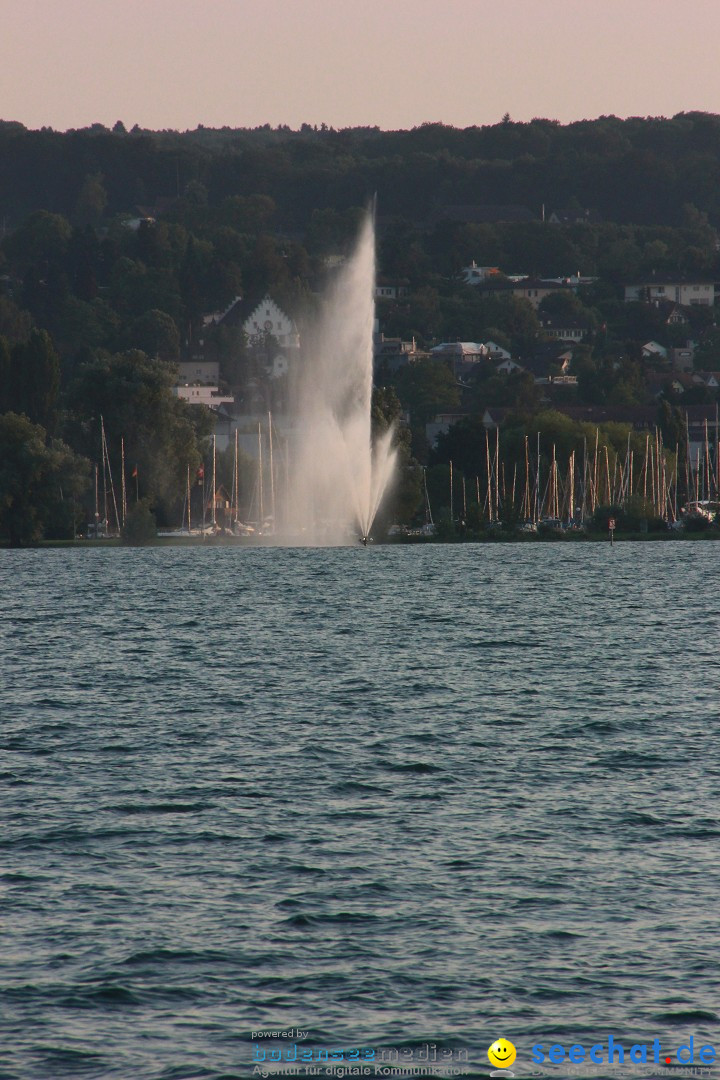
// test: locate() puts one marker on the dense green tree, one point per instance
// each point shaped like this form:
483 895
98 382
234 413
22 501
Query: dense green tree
425 388
557 306
248 214
135 288
190 279
707 354
40 484
91 200
156 334
140 525
8 385
418 316
36 370
333 231
465 444
15 322
133 396
514 316
41 240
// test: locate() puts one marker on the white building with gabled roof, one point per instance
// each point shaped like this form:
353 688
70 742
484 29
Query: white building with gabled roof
267 318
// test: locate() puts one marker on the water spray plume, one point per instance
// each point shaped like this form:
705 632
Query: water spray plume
337 478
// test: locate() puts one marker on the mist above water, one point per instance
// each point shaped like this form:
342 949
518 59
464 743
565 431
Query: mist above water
336 476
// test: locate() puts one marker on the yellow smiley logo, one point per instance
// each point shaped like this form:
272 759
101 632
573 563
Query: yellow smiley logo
502 1053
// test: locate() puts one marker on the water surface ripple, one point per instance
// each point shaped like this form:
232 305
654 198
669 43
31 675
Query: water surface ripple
391 796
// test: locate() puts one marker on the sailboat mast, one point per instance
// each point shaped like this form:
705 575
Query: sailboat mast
97 510
607 476
124 492
214 481
106 463
102 448
489 479
260 479
428 510
687 455
526 493
188 498
537 482
236 490
272 472
497 473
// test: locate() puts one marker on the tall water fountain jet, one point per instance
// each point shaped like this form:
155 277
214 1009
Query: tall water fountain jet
336 477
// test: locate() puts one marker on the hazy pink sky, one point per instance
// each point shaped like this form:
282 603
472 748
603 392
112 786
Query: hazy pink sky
391 63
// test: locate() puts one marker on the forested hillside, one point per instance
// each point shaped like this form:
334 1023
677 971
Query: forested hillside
635 171
116 243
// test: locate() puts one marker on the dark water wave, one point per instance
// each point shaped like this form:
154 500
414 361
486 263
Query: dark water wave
394 797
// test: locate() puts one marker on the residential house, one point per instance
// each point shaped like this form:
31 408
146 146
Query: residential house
209 396
496 352
566 330
267 329
573 280
391 288
682 359
687 293
550 363
334 262
474 274
674 316
263 319
653 350
533 290
198 384
682 382
198 371
390 354
570 216
461 356
507 366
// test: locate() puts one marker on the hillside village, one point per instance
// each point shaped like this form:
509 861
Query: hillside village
484 379
183 317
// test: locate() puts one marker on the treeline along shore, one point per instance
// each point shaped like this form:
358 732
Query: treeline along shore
532 279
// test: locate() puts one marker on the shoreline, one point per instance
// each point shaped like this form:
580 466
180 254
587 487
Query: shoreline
497 536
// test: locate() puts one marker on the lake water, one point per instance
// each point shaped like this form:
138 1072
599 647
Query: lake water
394 797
